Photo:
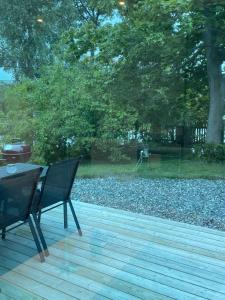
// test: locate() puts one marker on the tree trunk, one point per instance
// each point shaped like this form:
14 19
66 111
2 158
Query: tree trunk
156 133
216 86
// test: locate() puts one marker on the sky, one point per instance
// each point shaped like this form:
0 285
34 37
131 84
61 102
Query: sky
5 75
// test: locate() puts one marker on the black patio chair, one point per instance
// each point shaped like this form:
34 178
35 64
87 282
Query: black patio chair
16 195
56 189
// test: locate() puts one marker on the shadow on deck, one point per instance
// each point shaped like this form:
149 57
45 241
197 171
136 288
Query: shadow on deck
121 255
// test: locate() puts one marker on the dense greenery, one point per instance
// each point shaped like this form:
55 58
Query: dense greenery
90 76
64 113
210 152
29 29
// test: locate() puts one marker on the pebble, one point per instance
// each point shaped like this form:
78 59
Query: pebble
194 201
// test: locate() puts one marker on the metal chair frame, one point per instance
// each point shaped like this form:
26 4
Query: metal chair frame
65 201
28 217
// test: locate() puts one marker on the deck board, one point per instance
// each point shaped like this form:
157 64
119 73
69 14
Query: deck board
162 225
121 255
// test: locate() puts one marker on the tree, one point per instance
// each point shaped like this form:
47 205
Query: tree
214 14
201 23
152 63
65 112
189 47
139 54
115 47
94 11
28 31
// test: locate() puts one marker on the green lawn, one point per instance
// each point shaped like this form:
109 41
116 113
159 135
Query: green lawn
173 168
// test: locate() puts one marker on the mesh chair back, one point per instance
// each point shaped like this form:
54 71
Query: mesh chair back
16 194
59 181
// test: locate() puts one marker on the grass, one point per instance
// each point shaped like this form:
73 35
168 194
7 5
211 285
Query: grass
105 170
172 168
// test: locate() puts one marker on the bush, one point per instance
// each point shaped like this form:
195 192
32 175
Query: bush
67 104
210 152
108 151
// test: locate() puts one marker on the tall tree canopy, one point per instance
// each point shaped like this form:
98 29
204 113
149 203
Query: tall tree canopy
168 56
29 30
158 64
26 34
150 59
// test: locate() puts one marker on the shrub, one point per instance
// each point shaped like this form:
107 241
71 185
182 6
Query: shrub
108 151
210 152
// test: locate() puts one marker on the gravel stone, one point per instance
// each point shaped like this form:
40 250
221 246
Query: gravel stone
194 201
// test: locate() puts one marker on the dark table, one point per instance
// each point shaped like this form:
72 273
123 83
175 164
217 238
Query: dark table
20 168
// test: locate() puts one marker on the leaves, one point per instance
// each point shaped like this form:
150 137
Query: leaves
145 71
65 104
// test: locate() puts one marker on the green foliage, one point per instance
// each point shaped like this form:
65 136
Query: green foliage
103 79
30 29
65 112
94 11
18 121
149 57
23 39
210 152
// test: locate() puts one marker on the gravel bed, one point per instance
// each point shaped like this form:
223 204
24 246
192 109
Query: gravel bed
196 201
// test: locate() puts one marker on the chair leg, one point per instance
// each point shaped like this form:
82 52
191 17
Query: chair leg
65 214
3 233
75 217
36 240
45 247
39 217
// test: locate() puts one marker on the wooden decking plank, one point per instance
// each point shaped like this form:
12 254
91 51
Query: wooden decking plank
143 244
84 281
205 242
165 276
81 292
50 277
112 248
184 273
145 230
147 274
7 297
30 285
136 257
139 216
155 225
118 284
168 241
75 277
149 281
56 287
135 243
15 292
180 295
116 259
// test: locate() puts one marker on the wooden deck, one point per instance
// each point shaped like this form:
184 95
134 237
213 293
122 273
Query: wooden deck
120 256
